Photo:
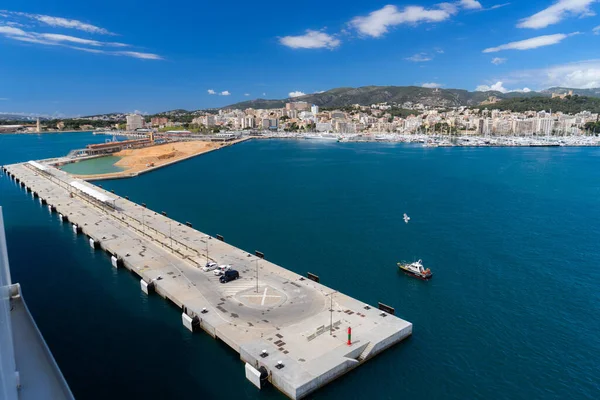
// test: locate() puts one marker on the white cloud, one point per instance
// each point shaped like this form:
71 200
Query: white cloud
51 39
533 43
496 86
297 93
498 60
264 94
378 22
499 87
581 75
68 23
557 12
497 6
17 24
210 91
246 94
319 91
471 4
310 40
432 85
57 22
224 93
136 54
419 57
596 30
9 30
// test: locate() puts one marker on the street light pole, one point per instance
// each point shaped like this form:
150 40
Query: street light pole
256 274
170 236
331 312
207 251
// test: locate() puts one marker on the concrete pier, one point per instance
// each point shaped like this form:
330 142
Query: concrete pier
282 323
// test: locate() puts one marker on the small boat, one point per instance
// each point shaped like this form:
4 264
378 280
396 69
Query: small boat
416 269
406 218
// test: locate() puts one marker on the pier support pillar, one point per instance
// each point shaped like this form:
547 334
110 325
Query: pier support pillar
191 323
93 243
76 228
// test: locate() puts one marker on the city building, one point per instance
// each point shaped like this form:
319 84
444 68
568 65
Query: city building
158 121
134 121
297 105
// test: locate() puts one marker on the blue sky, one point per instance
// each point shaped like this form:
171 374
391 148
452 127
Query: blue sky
81 58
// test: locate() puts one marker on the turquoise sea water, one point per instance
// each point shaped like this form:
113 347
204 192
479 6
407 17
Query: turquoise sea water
510 234
100 165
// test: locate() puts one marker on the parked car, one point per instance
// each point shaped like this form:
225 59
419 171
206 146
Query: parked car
221 269
229 275
210 266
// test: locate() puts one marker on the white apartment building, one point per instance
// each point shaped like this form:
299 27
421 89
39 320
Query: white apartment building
248 122
544 125
134 121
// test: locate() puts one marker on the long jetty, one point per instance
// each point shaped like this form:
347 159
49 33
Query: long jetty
288 329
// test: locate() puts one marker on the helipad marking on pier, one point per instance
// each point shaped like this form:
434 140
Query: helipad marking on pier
264 297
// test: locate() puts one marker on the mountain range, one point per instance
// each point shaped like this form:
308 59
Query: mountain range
367 95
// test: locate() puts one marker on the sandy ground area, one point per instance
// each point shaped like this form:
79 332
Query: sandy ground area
135 160
138 160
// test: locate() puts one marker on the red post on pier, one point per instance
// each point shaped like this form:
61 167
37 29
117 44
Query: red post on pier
349 336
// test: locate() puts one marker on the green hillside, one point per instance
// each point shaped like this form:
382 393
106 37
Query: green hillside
570 105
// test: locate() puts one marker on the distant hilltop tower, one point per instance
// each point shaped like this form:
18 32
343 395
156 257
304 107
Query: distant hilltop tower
37 126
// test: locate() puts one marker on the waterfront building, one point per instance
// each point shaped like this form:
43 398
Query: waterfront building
323 127
248 122
297 105
544 125
158 121
270 123
134 121
523 126
314 109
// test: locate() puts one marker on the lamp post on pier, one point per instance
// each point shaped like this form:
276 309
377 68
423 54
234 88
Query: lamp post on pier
256 261
331 311
207 260
170 236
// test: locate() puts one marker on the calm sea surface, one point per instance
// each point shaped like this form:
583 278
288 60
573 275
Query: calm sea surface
100 165
512 236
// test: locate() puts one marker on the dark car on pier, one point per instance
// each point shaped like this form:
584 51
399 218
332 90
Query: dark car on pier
229 275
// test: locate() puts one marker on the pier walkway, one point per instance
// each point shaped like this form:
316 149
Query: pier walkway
299 323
